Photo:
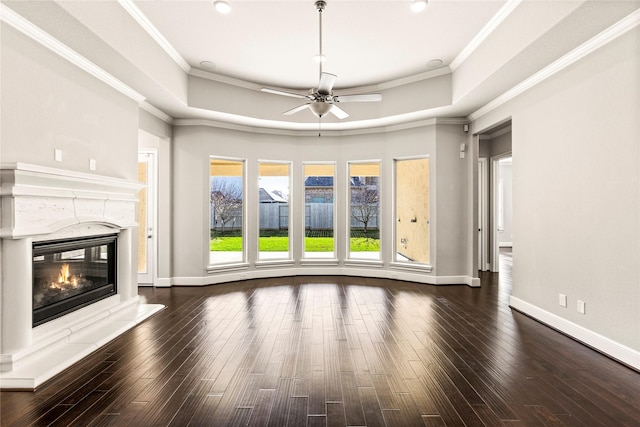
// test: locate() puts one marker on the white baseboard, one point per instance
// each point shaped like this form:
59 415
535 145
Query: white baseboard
614 349
163 282
217 277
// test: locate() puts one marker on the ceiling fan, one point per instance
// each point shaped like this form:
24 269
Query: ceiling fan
322 99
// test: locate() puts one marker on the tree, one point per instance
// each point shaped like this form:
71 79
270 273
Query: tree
364 204
226 199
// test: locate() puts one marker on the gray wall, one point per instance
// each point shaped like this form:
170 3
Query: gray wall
505 234
577 201
193 145
47 103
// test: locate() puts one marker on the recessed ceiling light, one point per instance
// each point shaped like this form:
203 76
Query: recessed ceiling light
207 65
222 6
419 5
434 63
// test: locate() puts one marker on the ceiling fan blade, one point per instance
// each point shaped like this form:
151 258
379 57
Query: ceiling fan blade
298 108
338 112
369 97
327 80
281 92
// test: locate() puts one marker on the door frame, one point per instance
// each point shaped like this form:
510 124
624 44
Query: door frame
483 214
495 180
150 277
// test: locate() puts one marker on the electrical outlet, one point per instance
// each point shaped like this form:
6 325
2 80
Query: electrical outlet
562 300
581 307
92 164
57 155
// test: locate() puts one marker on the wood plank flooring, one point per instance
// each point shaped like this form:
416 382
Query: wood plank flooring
336 351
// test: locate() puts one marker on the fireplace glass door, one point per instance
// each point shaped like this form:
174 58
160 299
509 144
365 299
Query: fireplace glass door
71 274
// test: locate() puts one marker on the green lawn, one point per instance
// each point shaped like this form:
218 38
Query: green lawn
281 244
364 244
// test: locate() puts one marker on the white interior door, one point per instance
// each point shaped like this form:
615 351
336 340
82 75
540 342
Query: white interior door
147 207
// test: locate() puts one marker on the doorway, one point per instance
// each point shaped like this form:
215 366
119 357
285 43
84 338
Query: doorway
501 207
495 190
147 213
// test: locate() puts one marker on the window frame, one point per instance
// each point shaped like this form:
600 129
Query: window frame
334 258
394 259
290 234
243 186
348 257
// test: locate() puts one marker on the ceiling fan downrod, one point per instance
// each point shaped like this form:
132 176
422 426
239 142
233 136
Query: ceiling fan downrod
321 100
320 5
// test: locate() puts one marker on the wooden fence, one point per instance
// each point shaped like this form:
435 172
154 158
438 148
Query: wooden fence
275 216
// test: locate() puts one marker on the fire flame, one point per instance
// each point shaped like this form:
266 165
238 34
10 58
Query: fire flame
65 279
64 274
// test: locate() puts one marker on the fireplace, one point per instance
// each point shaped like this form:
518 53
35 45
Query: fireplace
71 274
69 279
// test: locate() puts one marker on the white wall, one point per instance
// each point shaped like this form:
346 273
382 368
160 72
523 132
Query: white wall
577 201
192 146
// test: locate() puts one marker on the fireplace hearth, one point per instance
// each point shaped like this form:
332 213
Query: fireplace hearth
71 274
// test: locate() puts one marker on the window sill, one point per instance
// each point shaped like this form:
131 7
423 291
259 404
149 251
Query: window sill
363 262
424 268
274 263
216 268
319 261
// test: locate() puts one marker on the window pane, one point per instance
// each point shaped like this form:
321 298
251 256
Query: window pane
226 199
319 210
364 207
273 197
412 210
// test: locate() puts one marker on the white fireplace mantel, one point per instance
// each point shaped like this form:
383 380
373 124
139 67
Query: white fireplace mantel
39 200
42 203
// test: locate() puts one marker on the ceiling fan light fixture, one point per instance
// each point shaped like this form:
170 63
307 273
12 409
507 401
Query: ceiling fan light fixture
419 5
222 6
320 108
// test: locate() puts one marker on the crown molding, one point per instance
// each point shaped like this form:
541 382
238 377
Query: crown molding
237 127
613 32
486 31
325 132
442 71
10 17
220 78
150 108
21 24
146 25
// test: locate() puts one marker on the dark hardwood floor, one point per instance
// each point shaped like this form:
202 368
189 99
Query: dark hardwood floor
336 351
